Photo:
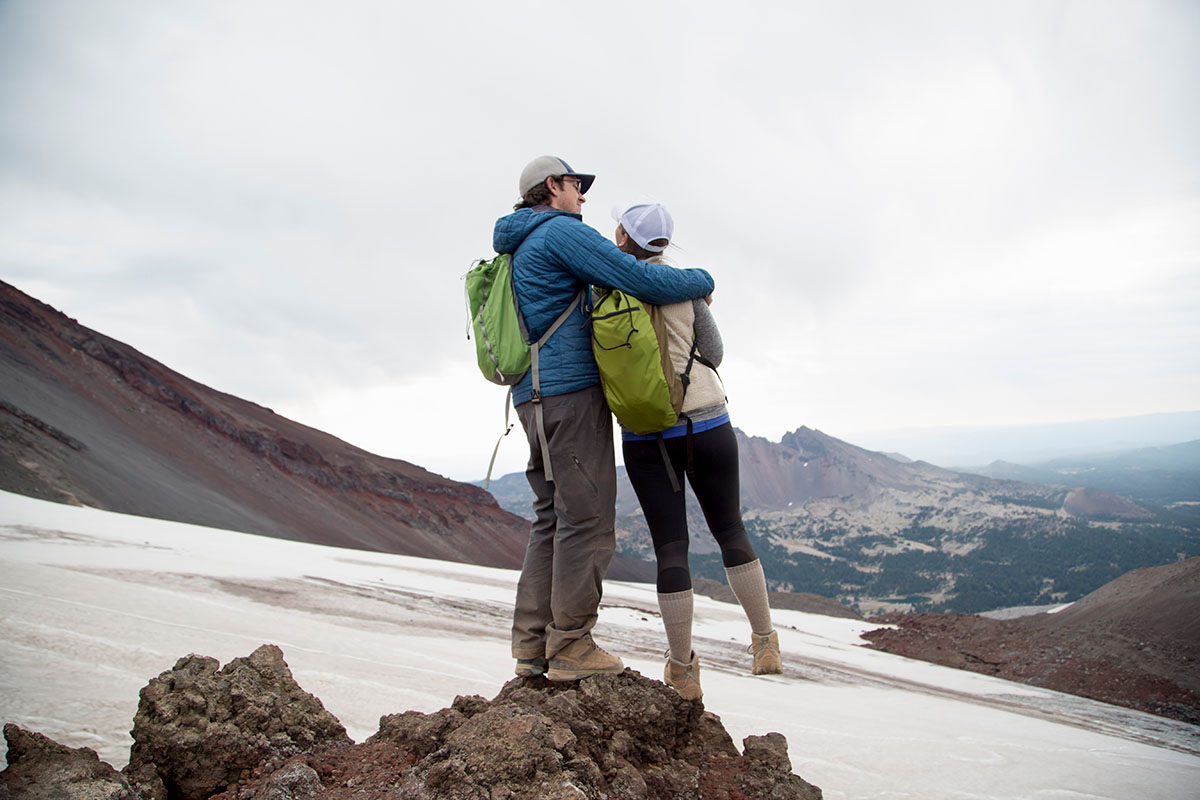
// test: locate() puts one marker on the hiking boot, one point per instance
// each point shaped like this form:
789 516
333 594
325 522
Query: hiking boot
581 658
767 660
530 667
684 678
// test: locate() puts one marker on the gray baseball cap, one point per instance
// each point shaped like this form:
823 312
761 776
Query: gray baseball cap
543 167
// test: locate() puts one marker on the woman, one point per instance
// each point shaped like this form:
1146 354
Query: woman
644 231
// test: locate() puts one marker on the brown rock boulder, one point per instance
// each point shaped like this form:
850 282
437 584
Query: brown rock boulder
40 768
199 727
421 734
768 770
605 736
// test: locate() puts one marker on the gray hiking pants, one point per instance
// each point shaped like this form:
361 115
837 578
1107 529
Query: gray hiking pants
571 541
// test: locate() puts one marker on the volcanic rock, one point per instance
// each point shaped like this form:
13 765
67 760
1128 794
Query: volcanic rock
199 726
40 768
248 732
606 736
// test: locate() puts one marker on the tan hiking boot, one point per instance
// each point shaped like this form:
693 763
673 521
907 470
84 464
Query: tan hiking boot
530 667
767 660
684 678
581 658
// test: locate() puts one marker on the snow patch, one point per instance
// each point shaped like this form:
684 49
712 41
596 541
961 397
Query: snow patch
102 602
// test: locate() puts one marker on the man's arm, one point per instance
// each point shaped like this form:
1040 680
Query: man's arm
593 259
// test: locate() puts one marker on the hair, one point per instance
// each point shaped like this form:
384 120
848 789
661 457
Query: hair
539 195
637 251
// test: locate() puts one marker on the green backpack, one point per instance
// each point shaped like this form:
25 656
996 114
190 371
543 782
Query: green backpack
502 347
629 340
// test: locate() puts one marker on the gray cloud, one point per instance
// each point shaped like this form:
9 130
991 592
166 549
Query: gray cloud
917 213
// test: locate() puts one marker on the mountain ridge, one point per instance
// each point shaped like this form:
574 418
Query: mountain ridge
965 446
918 536
1165 475
877 533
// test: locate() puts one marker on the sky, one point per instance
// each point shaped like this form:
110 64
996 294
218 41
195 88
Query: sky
917 214
98 603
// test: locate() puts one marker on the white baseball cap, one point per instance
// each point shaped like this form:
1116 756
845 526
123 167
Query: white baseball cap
645 220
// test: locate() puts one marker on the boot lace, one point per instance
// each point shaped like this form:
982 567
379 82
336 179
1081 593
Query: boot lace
759 642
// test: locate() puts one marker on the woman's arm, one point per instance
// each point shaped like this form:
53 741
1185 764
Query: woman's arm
708 338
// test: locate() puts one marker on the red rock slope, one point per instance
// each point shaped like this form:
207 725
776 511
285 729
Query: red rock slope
87 419
1133 642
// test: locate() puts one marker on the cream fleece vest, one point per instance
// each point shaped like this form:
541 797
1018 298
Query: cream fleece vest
705 388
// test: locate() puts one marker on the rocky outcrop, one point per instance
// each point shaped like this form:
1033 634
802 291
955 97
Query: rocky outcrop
42 769
608 735
249 732
199 726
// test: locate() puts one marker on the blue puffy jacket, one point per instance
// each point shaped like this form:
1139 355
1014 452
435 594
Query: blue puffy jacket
554 256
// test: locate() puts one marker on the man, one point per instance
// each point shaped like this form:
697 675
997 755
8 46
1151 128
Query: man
571 541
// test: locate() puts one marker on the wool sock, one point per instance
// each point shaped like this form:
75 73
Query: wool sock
749 586
676 609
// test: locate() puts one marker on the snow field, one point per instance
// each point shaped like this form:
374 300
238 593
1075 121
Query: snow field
94 604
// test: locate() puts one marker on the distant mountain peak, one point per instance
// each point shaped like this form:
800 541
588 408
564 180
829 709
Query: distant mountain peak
807 464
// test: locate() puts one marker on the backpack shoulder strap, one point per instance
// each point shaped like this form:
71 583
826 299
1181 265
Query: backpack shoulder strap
693 356
508 426
536 393
512 289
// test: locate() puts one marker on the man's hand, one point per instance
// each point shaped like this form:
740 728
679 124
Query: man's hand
708 299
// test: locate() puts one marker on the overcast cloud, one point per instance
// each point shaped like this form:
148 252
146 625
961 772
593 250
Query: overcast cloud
916 213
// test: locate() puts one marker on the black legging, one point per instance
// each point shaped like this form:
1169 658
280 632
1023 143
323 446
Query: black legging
715 481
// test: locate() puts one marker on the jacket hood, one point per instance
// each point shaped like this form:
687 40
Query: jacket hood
512 229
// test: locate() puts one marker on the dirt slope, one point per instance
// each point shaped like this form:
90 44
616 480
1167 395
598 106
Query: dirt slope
1133 642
